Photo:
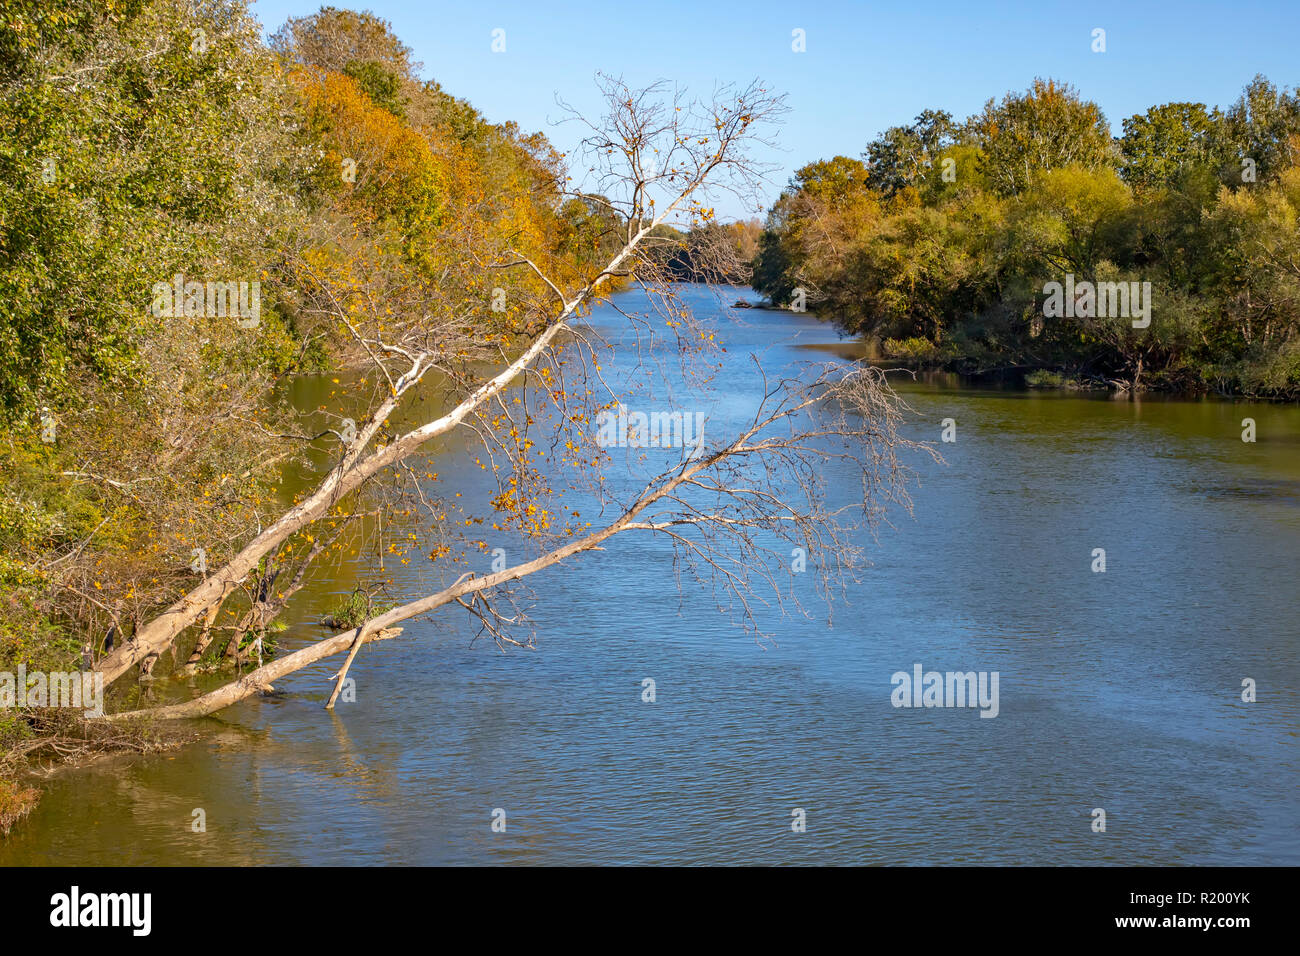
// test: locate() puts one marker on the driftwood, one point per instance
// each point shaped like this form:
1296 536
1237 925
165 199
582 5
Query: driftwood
342 674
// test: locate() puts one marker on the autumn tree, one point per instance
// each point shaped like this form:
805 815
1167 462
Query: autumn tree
1044 128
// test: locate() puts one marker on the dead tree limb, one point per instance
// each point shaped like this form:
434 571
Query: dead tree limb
258 681
843 416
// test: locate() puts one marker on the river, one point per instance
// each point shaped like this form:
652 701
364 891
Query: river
1119 690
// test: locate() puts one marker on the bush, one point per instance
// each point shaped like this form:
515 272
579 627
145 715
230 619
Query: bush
353 611
912 350
1042 378
16 801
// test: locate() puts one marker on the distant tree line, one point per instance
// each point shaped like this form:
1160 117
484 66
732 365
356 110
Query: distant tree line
713 252
940 241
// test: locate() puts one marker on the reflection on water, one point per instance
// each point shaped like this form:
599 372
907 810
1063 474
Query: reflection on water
1118 690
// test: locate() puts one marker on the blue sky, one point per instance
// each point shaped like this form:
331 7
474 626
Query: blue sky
867 65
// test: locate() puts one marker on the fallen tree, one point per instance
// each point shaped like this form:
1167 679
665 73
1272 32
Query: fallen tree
700 144
848 415
653 156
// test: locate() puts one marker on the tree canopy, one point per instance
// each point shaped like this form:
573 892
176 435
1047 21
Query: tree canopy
939 244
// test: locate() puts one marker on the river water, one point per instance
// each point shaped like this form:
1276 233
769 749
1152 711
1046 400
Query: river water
1119 690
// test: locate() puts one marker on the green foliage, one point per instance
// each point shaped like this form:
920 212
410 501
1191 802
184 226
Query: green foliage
382 86
1264 125
1163 144
1069 220
916 350
1044 378
1045 128
39 508
904 154
354 610
915 250
119 170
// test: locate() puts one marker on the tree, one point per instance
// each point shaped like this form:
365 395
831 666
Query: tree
716 252
1254 271
710 504
115 173
117 128
1263 126
1047 127
811 228
904 154
1161 145
334 39
1069 220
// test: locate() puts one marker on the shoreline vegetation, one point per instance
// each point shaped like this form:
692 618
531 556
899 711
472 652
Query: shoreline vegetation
139 449
945 240
163 499
152 527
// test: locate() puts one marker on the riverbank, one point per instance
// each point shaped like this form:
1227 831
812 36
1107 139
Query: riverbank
990 244
151 338
917 356
1119 690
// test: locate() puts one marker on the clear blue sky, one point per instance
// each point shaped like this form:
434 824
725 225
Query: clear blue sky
867 66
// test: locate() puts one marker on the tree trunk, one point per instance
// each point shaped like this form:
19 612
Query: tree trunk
260 679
